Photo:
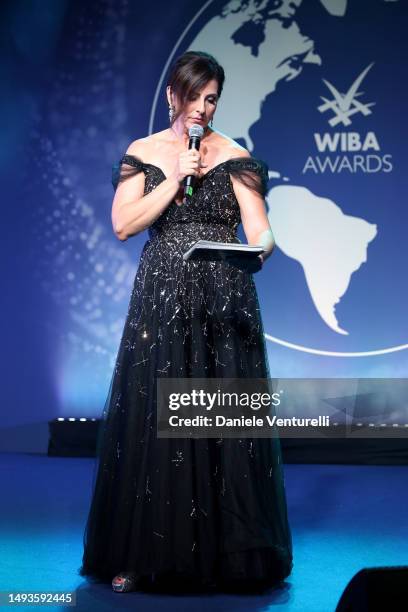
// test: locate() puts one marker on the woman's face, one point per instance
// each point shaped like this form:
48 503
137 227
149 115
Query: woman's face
200 108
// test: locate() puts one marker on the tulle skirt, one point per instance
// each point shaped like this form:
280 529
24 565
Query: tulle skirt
200 512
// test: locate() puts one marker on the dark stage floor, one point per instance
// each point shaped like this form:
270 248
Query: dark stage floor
343 518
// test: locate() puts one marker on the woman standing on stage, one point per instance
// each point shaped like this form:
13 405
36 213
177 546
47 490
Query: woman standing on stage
195 512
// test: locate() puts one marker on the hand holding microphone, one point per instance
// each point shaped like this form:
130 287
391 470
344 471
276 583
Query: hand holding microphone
189 163
195 133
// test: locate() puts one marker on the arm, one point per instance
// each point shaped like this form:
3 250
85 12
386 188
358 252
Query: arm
253 215
132 211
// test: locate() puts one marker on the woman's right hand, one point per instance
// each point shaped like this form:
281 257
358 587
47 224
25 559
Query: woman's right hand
188 164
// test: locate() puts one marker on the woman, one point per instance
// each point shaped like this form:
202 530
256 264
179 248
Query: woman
194 512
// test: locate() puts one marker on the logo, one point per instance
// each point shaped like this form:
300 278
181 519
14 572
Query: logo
346 105
348 152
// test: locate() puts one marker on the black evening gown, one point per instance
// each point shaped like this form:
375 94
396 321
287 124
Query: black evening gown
204 511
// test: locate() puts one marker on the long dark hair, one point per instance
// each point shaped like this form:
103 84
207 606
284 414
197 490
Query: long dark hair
190 73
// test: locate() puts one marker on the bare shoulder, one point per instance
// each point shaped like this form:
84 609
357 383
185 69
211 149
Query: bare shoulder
140 147
147 148
229 147
238 151
145 145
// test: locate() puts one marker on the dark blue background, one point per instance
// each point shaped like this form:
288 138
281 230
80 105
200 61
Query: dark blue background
78 80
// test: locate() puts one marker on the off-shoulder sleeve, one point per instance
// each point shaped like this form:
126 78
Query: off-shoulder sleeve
129 166
252 172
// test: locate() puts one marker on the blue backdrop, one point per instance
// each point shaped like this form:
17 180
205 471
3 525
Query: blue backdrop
315 88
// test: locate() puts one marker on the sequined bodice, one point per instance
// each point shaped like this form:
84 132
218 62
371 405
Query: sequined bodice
213 205
212 213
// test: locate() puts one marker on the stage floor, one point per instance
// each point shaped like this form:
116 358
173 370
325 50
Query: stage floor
343 518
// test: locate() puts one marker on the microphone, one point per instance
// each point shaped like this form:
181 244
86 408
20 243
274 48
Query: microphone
195 133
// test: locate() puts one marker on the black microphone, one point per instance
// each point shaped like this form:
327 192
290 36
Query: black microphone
195 133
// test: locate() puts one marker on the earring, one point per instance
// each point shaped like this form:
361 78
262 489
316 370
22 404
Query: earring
211 122
171 112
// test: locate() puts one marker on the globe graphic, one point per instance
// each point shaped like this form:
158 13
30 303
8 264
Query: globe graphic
299 96
316 89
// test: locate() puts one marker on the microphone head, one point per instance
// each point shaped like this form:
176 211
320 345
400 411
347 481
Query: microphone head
196 131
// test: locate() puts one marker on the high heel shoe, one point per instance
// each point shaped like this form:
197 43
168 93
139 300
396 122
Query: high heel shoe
124 582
